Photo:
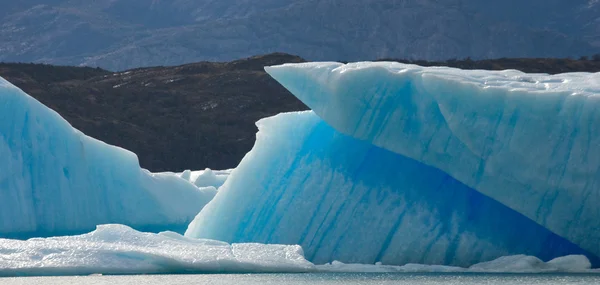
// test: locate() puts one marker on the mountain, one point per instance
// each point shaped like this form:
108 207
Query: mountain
123 34
195 115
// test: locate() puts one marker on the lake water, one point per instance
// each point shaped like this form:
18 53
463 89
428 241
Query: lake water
314 278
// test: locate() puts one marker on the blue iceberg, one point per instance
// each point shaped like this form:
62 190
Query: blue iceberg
347 200
397 164
529 141
54 180
404 164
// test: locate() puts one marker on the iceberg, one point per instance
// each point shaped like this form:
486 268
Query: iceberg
118 249
346 200
54 180
206 177
505 264
528 141
420 169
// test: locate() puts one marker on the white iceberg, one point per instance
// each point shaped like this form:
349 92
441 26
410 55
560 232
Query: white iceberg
118 249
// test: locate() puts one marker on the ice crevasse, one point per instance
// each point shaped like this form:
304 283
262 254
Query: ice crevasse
400 163
54 180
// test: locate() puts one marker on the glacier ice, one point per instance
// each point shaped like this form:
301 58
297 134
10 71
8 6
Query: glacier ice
429 168
529 141
206 177
54 180
524 264
345 199
504 264
118 249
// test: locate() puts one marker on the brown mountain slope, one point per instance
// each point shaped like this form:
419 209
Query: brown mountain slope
191 116
196 115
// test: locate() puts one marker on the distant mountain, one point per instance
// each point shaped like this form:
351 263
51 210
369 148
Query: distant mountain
122 34
195 115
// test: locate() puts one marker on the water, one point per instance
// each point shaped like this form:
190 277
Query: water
315 278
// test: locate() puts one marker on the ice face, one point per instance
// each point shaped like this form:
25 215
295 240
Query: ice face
345 199
529 141
55 180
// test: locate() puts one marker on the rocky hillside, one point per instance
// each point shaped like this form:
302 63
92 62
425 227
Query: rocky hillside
190 116
123 34
196 115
